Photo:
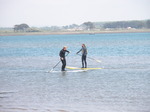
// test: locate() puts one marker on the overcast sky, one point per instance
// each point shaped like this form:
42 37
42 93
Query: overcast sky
65 12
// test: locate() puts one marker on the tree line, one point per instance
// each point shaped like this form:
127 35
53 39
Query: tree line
21 27
127 24
87 26
24 28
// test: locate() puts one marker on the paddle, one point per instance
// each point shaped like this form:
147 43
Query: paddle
56 65
91 58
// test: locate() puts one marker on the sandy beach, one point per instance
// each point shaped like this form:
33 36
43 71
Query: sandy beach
73 32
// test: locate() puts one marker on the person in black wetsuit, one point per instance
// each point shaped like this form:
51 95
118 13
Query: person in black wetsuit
84 54
62 57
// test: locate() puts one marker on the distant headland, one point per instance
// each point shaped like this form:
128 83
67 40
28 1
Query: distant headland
85 28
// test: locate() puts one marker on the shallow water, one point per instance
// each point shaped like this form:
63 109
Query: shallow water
123 85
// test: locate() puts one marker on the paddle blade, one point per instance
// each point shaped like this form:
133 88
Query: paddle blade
98 61
51 70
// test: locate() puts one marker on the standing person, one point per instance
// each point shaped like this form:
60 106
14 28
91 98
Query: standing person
62 57
84 54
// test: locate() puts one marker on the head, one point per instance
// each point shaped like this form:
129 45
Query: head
65 48
83 45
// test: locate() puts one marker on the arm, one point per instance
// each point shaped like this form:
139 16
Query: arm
67 51
79 51
61 55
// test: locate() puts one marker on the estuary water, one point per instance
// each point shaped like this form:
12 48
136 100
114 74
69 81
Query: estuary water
123 85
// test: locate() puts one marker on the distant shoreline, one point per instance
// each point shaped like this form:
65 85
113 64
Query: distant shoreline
73 32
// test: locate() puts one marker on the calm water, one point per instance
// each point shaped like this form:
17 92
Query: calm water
123 85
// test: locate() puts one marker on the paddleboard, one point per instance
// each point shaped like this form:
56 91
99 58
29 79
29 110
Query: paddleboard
77 68
69 71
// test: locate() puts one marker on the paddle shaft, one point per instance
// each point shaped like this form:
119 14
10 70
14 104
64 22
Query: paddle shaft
91 58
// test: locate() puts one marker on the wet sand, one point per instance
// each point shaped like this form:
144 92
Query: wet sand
73 32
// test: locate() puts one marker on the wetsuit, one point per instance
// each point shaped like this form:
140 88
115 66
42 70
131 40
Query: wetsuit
84 53
62 55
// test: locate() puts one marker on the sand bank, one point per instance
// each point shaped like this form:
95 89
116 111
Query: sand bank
73 32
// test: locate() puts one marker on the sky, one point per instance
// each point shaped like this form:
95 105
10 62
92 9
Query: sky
40 13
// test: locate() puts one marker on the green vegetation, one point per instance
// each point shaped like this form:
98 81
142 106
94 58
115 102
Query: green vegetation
21 28
128 24
86 27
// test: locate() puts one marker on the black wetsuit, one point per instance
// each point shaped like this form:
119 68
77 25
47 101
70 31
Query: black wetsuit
62 55
84 53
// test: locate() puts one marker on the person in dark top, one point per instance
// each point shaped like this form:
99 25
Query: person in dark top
84 54
62 57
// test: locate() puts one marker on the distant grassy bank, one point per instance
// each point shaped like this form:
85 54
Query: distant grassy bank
11 33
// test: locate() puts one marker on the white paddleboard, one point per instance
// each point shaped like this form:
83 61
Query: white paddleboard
68 71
